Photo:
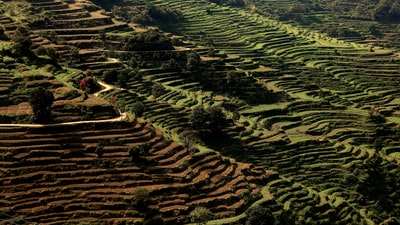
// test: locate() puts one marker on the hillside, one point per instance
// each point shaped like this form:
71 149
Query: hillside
190 104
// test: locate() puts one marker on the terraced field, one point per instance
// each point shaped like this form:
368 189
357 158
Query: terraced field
56 174
317 110
325 131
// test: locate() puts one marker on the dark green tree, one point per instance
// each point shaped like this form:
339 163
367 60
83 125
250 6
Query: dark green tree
123 78
199 118
22 42
379 184
212 118
217 118
259 215
41 101
157 90
192 61
110 76
233 78
138 108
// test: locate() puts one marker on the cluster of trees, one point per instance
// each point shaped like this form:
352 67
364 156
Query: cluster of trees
88 84
147 41
212 118
148 14
379 10
21 41
118 77
380 186
164 14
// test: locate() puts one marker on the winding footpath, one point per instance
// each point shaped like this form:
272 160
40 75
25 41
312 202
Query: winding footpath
122 116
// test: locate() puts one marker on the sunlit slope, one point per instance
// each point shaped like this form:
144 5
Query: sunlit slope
327 127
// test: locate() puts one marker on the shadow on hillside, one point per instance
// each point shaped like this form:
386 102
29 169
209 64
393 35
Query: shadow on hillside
225 144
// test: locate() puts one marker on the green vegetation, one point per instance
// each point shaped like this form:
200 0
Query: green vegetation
147 14
200 215
212 118
22 42
41 101
148 41
259 215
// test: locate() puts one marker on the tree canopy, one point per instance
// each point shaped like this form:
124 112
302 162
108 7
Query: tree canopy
212 118
259 215
147 41
22 42
41 100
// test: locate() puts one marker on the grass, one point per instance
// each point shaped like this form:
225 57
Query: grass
262 108
5 45
17 10
66 76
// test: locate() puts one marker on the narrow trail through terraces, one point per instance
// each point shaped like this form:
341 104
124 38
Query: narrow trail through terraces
107 87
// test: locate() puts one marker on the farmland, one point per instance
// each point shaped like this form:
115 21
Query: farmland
164 107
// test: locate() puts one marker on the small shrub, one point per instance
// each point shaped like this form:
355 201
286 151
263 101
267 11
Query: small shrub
99 150
200 215
140 197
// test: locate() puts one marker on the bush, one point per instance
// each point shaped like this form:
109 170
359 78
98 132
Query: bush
140 197
259 215
99 150
157 90
201 215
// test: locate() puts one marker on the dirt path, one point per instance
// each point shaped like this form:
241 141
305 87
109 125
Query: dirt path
122 116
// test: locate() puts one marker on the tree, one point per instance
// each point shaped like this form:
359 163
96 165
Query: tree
201 215
192 61
157 90
41 101
259 215
378 184
140 197
199 117
212 118
138 108
110 76
233 78
139 150
22 42
89 85
189 138
123 78
217 118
